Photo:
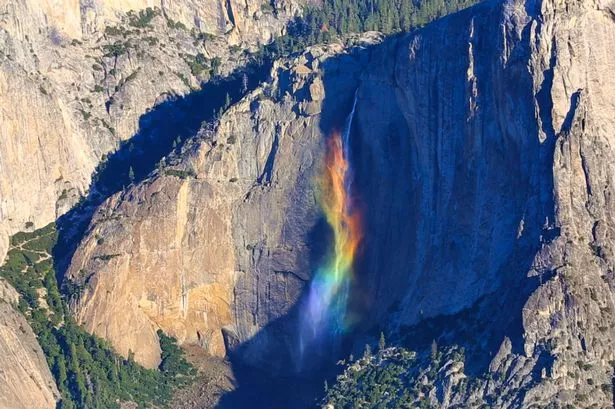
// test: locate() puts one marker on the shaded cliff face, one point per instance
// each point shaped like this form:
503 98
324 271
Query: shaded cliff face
26 379
499 169
449 141
77 78
467 123
481 156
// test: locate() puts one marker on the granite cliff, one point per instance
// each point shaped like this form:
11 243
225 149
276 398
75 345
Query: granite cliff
77 79
481 149
76 76
26 379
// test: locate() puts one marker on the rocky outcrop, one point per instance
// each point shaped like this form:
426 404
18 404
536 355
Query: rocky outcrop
178 251
76 77
481 151
25 379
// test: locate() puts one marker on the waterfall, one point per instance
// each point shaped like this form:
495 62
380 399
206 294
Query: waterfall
348 126
347 130
325 314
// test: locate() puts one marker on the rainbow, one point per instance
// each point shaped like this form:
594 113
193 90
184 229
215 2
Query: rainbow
329 290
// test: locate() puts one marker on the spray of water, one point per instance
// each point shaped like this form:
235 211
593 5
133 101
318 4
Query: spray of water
326 312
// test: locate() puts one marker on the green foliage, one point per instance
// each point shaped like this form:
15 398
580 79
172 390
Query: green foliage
41 244
106 257
109 127
607 388
204 37
216 62
183 78
381 342
88 372
172 360
71 288
198 63
395 378
267 8
322 23
178 25
182 174
143 18
86 115
116 49
387 16
131 76
367 384
115 31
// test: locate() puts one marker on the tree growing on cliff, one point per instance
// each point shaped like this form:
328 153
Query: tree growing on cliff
381 343
172 361
434 350
321 23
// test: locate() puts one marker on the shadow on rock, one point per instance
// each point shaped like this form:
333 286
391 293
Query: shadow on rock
455 188
276 368
455 184
162 131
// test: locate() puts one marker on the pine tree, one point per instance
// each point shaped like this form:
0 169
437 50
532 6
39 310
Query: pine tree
78 381
381 343
60 371
131 174
244 83
434 350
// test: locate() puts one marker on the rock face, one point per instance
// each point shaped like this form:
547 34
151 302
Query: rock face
219 243
249 21
179 251
26 381
505 144
481 150
77 76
